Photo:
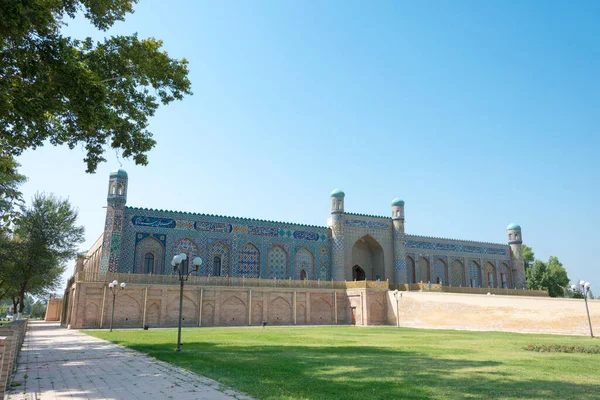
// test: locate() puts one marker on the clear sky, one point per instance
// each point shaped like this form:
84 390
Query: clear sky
477 114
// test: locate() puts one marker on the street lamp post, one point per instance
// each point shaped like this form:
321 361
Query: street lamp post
398 296
584 289
184 274
115 288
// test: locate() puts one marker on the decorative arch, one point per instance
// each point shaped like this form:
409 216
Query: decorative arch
440 272
368 254
305 261
423 273
505 276
474 274
130 315
489 275
149 246
411 277
153 314
220 250
188 247
457 273
280 312
277 263
189 310
233 311
249 261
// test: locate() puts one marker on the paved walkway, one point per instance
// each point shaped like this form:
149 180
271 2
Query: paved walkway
56 363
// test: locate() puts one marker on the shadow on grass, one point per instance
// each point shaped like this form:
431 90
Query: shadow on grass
363 372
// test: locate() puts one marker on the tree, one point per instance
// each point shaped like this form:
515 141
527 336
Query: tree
528 256
550 276
48 236
38 310
10 196
81 92
10 254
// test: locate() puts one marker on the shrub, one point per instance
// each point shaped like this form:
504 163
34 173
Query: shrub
560 348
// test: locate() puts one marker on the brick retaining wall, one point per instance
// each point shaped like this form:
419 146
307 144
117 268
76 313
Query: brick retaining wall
12 336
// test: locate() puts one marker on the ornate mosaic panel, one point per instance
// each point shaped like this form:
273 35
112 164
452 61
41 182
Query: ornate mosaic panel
415 244
457 273
248 262
489 275
366 224
188 247
439 271
149 245
217 249
305 261
505 273
411 275
400 265
423 270
277 263
475 273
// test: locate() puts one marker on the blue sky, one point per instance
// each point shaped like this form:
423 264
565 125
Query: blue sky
477 114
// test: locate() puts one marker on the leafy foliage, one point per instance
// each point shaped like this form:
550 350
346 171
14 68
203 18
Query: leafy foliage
10 196
528 256
67 91
551 276
45 238
38 309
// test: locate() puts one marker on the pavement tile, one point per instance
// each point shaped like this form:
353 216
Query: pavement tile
58 363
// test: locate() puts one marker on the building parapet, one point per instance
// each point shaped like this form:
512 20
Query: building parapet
149 279
424 287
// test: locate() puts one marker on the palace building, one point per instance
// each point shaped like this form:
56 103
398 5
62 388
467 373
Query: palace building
284 273
351 247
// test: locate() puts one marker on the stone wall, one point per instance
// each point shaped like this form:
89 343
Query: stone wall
53 310
494 313
11 340
90 306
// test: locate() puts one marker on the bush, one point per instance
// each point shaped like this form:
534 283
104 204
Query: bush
559 348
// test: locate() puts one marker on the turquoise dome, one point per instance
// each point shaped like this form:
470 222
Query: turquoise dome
337 193
397 202
120 172
512 226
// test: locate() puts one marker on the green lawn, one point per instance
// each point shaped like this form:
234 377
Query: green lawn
375 363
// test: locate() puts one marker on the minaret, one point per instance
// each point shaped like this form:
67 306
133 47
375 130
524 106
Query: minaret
113 227
338 270
515 240
399 241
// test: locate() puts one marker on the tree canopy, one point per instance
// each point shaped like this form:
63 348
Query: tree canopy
528 256
45 237
551 276
61 90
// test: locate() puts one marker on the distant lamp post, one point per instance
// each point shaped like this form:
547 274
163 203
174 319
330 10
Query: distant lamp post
584 289
398 296
184 273
115 288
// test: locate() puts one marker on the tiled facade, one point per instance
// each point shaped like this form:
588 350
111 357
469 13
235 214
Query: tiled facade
351 246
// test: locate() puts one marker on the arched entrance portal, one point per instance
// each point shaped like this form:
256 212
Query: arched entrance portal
358 274
367 254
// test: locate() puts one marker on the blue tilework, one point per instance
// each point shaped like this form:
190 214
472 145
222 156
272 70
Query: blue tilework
414 244
234 233
277 263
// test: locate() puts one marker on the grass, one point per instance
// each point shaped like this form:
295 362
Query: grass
375 363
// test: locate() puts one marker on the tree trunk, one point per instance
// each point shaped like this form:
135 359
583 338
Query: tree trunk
22 297
15 305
